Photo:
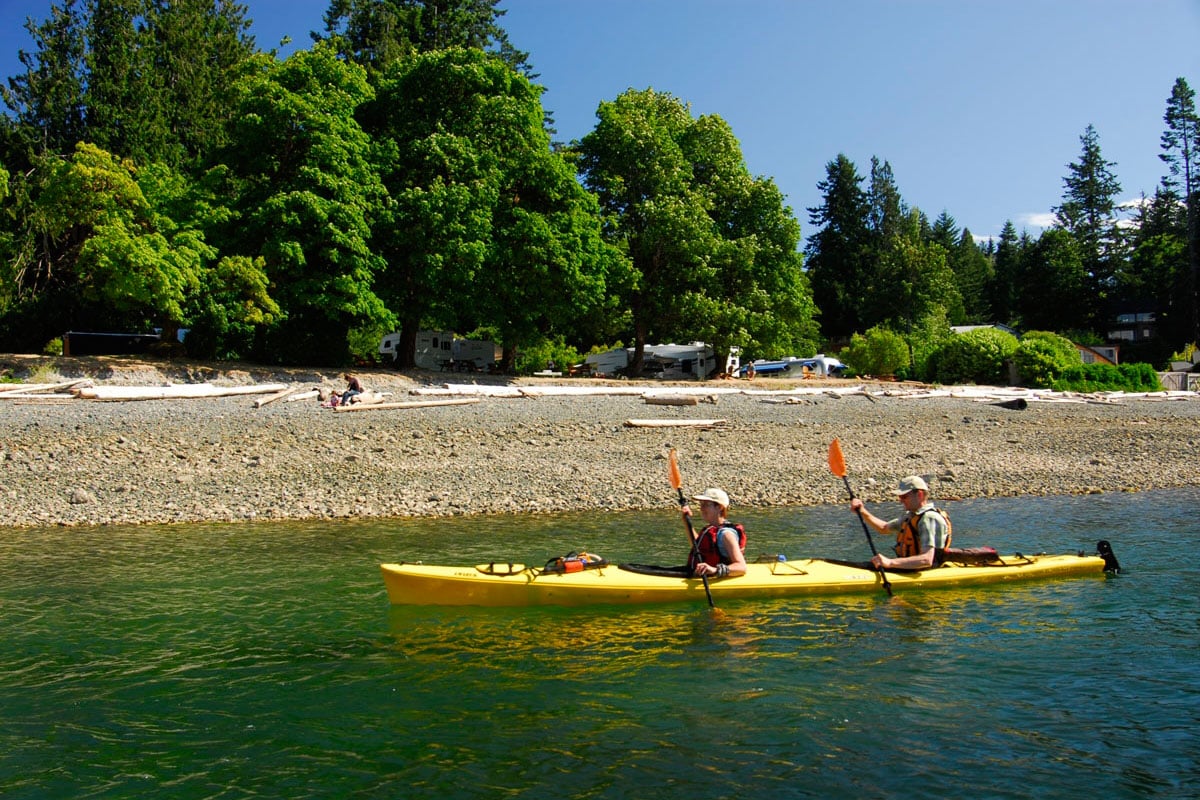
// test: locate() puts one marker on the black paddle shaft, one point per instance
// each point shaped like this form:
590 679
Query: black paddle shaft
695 547
886 583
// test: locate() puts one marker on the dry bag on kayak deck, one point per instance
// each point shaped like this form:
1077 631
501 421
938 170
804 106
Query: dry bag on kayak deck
575 562
976 556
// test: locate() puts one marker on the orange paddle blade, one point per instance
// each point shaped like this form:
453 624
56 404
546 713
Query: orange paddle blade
837 462
673 471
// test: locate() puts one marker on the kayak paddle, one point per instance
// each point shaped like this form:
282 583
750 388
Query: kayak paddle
837 465
677 483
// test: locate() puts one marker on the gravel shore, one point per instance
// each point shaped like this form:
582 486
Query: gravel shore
79 462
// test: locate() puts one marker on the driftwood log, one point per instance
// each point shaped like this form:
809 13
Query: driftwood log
671 400
674 423
407 404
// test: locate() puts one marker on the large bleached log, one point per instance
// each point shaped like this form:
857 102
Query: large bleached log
174 391
262 401
20 389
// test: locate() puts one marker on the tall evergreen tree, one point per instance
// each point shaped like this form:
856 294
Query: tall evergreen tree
1157 275
888 215
838 256
47 101
1054 278
374 33
1088 214
123 114
1006 275
199 49
1181 152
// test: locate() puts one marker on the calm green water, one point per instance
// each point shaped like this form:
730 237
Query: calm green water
264 661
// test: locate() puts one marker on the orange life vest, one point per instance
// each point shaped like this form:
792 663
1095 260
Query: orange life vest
908 542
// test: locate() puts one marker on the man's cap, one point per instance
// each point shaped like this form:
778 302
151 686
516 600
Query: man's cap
714 496
911 484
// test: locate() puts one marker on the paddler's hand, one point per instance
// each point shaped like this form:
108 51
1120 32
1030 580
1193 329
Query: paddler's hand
880 561
856 505
686 511
703 570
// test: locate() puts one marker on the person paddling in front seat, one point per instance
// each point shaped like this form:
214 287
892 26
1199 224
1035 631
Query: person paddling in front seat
921 534
721 545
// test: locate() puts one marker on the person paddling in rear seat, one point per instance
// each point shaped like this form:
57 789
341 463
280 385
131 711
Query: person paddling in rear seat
722 543
921 534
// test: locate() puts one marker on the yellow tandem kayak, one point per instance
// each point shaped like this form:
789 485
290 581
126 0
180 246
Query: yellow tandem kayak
519 585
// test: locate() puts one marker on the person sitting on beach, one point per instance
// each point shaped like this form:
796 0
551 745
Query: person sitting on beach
354 386
921 534
721 545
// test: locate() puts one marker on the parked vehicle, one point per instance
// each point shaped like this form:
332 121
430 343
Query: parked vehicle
442 350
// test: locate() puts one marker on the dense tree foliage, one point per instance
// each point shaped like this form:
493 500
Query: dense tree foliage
305 189
1181 152
376 33
713 251
485 225
158 171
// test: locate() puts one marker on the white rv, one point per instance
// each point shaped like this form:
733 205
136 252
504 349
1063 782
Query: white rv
442 350
668 361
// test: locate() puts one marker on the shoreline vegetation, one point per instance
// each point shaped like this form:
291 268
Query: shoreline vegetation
538 449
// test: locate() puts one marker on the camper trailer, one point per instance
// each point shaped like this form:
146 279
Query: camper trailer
442 350
694 360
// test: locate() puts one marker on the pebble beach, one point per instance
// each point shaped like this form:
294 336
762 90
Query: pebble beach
87 462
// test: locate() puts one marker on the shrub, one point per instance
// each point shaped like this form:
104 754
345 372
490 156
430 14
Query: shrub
925 339
1042 356
877 352
978 356
1136 377
534 358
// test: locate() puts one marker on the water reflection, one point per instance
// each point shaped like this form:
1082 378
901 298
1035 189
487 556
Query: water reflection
264 660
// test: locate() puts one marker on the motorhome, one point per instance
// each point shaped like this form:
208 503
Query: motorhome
442 350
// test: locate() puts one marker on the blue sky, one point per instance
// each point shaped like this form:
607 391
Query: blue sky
977 104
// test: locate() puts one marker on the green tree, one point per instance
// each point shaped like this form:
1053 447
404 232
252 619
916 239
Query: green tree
1055 284
1006 275
1088 214
1156 275
197 52
305 188
755 294
123 248
485 225
713 250
634 160
887 214
123 115
375 33
973 277
912 280
837 253
1181 152
47 100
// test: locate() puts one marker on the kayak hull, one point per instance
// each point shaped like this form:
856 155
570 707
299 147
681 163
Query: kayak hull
515 585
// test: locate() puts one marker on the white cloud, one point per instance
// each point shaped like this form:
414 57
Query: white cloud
1041 220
